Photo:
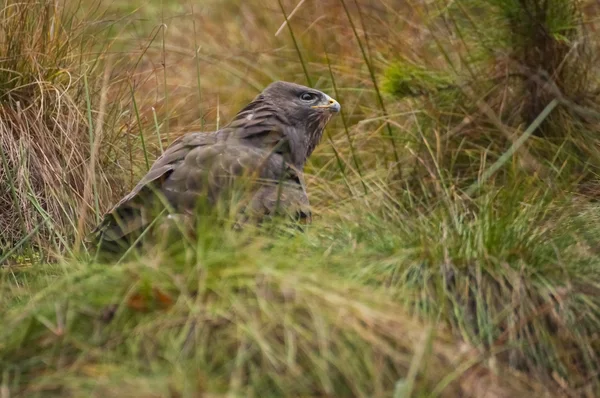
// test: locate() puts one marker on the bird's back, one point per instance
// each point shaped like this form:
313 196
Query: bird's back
197 171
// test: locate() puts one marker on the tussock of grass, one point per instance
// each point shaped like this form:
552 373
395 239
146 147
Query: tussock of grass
45 131
507 61
513 272
226 316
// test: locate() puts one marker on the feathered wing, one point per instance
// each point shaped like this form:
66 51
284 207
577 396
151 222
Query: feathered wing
203 165
251 161
130 214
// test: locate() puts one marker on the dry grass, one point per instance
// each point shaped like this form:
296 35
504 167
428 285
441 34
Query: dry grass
51 75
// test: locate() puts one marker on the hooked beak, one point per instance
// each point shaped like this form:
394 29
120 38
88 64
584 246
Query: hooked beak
332 105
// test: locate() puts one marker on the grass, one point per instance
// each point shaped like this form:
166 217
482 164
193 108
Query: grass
454 249
46 117
230 314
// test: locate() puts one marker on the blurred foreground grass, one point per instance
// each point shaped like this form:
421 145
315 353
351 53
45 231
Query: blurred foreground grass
455 245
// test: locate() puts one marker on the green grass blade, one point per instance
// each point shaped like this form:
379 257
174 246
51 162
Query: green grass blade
346 130
139 123
375 85
296 46
157 128
514 147
92 175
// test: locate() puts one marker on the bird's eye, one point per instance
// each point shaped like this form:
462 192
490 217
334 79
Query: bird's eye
308 97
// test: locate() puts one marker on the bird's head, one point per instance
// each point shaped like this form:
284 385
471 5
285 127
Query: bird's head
305 108
300 102
299 112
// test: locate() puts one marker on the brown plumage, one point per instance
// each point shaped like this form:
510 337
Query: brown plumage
268 141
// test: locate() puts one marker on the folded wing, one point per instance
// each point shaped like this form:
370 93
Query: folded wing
201 168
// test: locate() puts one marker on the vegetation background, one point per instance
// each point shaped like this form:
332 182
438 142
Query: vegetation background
455 249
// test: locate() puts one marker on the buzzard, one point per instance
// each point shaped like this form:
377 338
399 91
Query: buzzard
263 149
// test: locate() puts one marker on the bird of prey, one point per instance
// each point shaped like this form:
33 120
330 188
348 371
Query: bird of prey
268 141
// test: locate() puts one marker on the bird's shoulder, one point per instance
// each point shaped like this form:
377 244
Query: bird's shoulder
166 163
231 157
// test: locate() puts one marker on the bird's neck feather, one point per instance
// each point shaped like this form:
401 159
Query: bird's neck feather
260 118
